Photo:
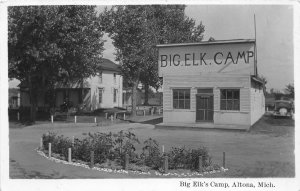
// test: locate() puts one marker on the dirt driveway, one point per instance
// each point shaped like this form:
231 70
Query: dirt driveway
258 153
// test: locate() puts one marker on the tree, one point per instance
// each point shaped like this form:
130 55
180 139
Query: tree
265 81
164 24
136 30
51 44
289 89
211 39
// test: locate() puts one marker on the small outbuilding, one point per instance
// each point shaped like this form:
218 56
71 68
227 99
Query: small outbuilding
211 84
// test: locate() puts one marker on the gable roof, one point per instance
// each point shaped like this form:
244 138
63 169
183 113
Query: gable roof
108 65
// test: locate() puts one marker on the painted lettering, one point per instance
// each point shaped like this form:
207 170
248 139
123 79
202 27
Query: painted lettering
186 59
194 64
241 55
229 56
178 60
215 58
249 55
163 60
202 58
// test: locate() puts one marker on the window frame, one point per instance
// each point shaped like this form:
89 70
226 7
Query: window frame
100 92
115 78
115 95
184 100
232 99
100 77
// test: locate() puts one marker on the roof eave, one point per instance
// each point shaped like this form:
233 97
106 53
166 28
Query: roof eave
234 41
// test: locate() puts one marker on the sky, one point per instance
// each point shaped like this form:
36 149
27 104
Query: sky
274 34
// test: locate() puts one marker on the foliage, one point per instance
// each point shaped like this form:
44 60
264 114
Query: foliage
194 158
265 81
137 29
151 155
290 90
110 149
124 144
59 144
180 157
52 44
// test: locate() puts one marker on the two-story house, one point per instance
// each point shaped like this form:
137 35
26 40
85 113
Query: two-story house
103 90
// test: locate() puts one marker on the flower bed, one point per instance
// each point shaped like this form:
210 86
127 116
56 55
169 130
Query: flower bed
111 149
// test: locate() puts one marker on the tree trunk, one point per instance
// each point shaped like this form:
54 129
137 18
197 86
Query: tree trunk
146 94
33 101
134 97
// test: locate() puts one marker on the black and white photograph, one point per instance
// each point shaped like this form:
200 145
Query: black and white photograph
149 96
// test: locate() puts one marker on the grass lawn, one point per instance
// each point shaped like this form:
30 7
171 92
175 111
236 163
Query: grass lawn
267 150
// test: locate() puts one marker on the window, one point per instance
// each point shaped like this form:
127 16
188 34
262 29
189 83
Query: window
115 78
100 90
100 78
230 99
115 95
181 98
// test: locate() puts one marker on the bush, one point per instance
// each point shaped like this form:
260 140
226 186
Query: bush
100 143
59 144
110 150
194 158
124 143
180 157
151 155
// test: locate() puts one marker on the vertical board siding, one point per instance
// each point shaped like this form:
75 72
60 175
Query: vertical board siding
244 100
217 100
257 104
193 99
167 96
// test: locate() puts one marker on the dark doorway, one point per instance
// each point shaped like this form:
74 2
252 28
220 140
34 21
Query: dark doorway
204 108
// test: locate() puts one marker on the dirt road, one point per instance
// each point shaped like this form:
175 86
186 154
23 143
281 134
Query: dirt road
248 154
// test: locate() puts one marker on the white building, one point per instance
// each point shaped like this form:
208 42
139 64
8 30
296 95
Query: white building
101 91
211 84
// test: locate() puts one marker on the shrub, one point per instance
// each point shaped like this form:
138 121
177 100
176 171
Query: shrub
82 150
180 157
102 145
111 149
48 138
151 155
194 158
59 144
125 144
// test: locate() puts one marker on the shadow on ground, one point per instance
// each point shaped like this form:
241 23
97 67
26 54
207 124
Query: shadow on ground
151 121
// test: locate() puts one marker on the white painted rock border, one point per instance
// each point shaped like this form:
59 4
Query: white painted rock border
129 171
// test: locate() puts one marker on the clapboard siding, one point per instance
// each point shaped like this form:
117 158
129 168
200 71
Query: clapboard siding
206 81
167 97
216 82
180 67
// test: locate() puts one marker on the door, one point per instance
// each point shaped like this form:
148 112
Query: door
204 108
